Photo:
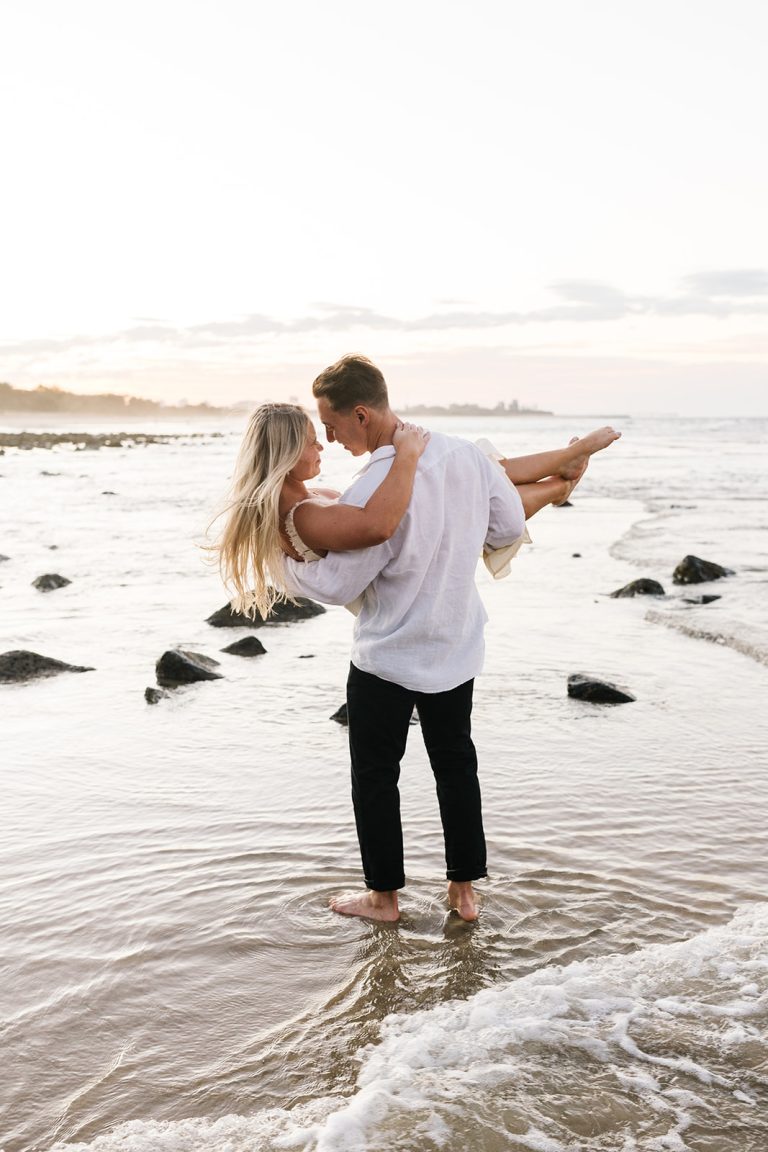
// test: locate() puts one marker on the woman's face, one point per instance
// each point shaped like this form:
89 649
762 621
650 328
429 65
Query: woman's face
308 465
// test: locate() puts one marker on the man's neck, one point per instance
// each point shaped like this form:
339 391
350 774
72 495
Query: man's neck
381 430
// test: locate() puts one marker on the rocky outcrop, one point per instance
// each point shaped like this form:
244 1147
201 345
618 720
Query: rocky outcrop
155 695
693 570
642 587
248 646
50 581
180 666
19 665
597 691
285 612
340 716
701 599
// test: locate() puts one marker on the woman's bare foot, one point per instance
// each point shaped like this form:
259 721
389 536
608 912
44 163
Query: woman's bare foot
372 905
572 474
462 899
587 446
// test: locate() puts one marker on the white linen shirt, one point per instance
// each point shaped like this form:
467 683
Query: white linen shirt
421 622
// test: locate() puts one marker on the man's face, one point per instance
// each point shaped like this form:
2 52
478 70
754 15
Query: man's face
345 428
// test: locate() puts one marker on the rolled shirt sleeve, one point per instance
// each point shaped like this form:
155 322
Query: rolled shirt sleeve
339 577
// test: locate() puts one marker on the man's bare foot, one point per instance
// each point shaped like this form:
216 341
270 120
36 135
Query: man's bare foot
462 899
587 446
372 905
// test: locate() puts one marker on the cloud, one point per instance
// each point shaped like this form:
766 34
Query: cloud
719 293
736 282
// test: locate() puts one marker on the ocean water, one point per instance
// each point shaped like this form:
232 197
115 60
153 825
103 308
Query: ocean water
172 977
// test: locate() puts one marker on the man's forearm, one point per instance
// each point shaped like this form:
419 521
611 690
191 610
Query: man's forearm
339 577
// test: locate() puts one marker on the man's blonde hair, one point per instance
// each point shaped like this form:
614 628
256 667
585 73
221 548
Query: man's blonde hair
350 381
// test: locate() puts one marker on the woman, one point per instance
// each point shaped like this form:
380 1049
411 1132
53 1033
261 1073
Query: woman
272 513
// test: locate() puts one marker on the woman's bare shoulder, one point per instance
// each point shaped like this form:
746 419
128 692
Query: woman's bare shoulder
328 493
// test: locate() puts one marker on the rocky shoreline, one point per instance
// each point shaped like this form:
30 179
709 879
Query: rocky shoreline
93 440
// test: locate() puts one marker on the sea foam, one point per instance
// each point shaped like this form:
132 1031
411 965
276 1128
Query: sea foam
659 1050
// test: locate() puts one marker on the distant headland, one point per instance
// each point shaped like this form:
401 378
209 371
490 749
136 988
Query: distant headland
49 400
500 409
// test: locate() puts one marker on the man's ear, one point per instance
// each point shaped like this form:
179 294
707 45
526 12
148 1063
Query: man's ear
362 415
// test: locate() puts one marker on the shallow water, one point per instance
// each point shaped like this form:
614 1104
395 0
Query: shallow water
173 978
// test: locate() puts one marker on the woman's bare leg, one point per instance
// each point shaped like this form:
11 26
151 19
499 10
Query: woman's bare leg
560 461
554 489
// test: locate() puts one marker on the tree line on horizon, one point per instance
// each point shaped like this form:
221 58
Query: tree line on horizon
50 399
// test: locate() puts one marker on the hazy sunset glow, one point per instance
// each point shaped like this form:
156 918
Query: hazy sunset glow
563 203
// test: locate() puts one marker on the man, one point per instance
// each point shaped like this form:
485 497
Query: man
418 640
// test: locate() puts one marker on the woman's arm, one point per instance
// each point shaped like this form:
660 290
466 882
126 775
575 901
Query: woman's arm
561 461
342 527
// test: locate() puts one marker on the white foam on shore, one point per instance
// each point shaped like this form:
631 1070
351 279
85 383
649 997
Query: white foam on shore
626 1052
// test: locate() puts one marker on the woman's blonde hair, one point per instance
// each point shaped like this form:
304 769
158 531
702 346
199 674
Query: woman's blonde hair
249 546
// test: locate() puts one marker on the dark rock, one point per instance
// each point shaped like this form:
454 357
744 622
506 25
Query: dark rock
46 473
340 716
307 656
53 547
108 492
248 646
155 695
3 558
596 691
576 555
50 581
20 665
180 666
564 504
282 613
701 599
641 587
693 570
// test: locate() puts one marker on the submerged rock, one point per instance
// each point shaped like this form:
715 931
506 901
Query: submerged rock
50 581
693 570
155 695
596 691
248 646
340 716
284 612
180 666
3 558
702 599
19 665
642 587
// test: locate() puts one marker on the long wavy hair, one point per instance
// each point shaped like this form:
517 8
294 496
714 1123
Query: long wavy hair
249 552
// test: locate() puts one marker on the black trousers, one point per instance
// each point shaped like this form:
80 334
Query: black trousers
379 713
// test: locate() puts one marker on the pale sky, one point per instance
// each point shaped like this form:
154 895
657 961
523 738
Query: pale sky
559 201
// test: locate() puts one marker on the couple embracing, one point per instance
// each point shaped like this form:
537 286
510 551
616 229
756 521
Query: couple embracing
401 547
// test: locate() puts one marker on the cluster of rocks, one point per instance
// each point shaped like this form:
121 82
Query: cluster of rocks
178 666
690 570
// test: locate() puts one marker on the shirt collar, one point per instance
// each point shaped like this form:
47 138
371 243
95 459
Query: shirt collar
382 453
